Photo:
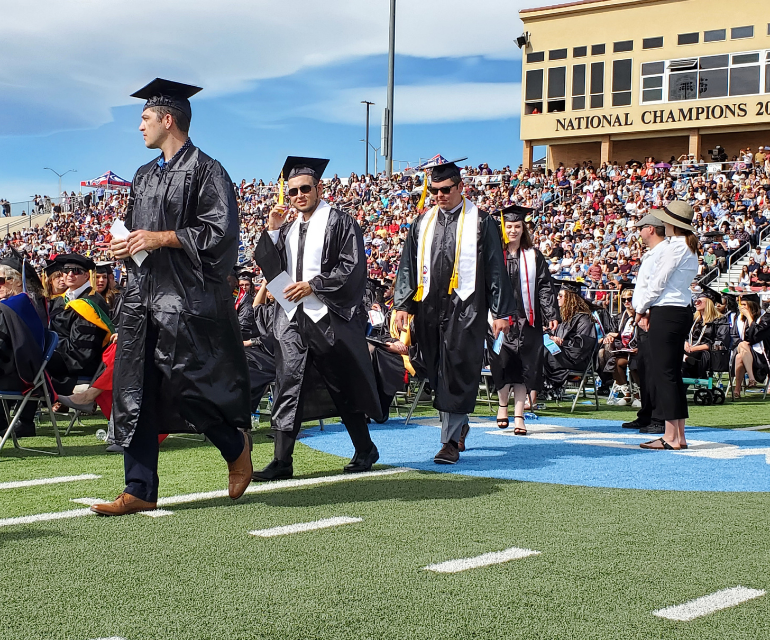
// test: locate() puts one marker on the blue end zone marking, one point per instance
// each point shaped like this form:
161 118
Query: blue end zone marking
594 453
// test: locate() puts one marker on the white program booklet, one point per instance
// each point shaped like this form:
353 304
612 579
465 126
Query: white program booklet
276 287
119 231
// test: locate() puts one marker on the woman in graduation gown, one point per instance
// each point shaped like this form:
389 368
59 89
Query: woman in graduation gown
751 340
520 361
709 334
575 336
620 348
244 303
103 280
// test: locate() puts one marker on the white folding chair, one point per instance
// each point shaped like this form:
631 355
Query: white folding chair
38 391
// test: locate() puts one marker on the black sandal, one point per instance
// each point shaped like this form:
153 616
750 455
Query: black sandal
502 423
519 431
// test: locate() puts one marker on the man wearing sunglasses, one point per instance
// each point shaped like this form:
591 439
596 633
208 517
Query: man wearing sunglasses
323 367
81 319
451 276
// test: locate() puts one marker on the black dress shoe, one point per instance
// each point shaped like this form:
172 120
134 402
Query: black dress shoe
276 470
655 427
25 429
361 463
634 424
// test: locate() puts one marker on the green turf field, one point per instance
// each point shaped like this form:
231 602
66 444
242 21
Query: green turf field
608 557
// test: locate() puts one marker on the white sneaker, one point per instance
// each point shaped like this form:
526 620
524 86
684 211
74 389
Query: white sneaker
624 401
637 403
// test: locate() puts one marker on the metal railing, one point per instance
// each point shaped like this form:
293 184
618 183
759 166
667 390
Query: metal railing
736 255
710 275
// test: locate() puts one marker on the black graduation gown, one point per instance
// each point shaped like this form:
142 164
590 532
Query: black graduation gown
521 356
336 343
715 334
615 325
261 355
579 339
449 332
184 293
245 313
81 343
389 367
758 332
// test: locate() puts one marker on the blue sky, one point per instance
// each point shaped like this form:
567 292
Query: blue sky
275 85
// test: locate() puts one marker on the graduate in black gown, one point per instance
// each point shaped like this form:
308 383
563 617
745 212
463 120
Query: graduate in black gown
260 347
575 336
323 367
179 359
103 281
451 277
750 342
709 341
520 361
244 302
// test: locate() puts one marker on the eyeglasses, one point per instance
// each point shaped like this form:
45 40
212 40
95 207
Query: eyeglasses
444 190
78 271
3 281
305 188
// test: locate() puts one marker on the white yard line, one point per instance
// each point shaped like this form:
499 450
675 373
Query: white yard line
157 513
36 483
709 604
757 428
210 495
88 501
301 527
497 557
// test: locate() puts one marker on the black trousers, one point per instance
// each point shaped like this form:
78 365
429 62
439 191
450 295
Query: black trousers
646 386
355 424
669 328
140 458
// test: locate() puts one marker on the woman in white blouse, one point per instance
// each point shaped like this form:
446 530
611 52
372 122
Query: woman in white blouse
663 308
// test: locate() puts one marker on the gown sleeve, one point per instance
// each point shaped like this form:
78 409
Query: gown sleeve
406 279
579 338
342 289
545 291
759 331
500 296
80 348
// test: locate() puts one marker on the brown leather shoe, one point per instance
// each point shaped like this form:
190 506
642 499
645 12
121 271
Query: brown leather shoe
449 454
124 504
464 431
240 471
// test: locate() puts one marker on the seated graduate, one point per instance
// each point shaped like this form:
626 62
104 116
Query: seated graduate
710 334
260 346
619 351
575 336
22 335
244 301
750 343
104 284
81 319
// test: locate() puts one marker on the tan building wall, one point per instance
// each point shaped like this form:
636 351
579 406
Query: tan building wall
733 121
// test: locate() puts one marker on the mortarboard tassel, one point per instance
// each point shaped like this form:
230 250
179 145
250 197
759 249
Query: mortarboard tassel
502 231
421 203
280 189
454 282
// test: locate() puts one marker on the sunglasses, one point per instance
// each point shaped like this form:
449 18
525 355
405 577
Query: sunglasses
78 271
445 190
3 280
305 188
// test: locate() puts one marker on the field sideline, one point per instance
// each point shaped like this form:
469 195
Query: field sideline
607 558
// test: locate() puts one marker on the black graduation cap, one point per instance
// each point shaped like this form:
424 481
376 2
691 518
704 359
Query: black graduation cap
440 171
708 292
76 259
167 93
569 285
298 166
244 273
51 267
627 286
104 267
515 213
16 261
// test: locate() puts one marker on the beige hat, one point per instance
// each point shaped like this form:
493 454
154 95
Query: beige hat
677 213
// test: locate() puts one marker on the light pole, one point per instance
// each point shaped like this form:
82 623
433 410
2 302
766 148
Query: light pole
375 149
391 66
366 149
61 175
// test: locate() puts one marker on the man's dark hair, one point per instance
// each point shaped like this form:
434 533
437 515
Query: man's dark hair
180 119
660 231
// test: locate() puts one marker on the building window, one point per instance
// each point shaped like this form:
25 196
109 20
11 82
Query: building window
717 35
683 80
623 46
538 56
688 38
738 33
579 52
652 81
767 74
557 54
533 94
597 85
621 83
744 74
597 49
652 43
712 77
557 89
578 87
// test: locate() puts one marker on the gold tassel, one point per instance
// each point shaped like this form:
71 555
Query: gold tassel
280 189
421 203
418 295
454 282
502 231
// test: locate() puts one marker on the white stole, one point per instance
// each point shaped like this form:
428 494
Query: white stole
468 254
528 277
311 259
